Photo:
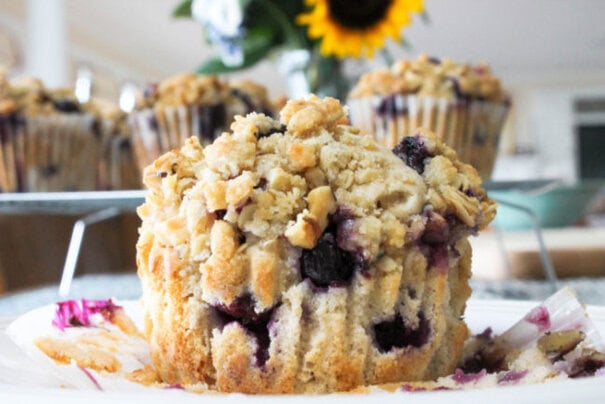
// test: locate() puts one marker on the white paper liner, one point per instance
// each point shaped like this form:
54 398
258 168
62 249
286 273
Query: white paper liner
157 131
9 151
117 167
471 127
123 172
563 311
56 152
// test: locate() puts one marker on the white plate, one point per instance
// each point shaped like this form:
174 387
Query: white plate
480 314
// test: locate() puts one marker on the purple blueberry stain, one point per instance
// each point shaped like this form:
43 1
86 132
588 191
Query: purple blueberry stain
257 325
512 377
462 377
395 333
539 317
436 230
77 313
413 152
263 340
436 239
242 309
439 257
439 237
408 388
175 386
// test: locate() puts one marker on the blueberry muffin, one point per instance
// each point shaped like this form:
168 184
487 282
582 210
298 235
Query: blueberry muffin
464 105
49 142
190 105
299 256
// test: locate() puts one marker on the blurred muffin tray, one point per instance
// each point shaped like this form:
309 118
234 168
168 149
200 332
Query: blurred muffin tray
70 202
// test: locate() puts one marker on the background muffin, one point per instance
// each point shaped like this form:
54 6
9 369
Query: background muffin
189 105
464 105
49 141
300 256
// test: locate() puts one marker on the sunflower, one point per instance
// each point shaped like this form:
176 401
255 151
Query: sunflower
356 28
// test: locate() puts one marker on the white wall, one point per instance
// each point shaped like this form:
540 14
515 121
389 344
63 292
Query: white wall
545 122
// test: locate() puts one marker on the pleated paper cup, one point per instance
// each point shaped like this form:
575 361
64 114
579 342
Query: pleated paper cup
472 127
61 153
156 131
117 166
122 169
43 153
11 153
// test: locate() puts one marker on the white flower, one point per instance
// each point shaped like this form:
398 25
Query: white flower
225 16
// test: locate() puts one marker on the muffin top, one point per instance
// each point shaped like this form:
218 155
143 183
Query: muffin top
184 89
259 197
253 96
190 89
7 104
29 96
113 119
432 77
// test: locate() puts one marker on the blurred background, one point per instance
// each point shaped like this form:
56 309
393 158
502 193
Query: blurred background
549 55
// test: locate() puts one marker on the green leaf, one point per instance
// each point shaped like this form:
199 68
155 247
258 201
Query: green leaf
244 3
258 37
183 10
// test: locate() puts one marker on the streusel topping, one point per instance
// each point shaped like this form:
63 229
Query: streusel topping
263 181
432 77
